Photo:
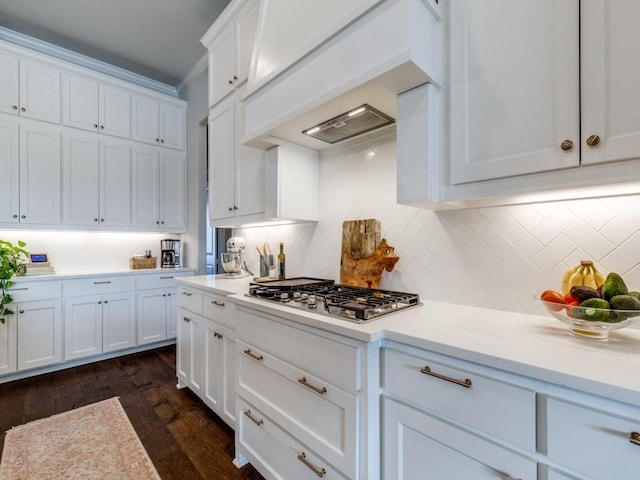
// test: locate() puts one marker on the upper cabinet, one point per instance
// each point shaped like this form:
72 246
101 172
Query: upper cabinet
94 106
158 122
230 50
29 89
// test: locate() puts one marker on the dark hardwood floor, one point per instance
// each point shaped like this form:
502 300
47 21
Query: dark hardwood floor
184 439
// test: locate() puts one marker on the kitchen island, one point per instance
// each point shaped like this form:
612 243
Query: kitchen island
539 402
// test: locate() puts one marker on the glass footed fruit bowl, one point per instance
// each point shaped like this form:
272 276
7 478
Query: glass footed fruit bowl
589 322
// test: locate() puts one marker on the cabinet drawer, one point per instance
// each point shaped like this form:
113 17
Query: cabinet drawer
267 445
593 441
150 282
219 309
190 300
333 358
29 291
317 413
417 445
481 405
97 286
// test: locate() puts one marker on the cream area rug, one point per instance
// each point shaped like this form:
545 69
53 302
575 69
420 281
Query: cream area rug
96 441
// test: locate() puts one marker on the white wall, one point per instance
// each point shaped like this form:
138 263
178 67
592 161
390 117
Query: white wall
492 257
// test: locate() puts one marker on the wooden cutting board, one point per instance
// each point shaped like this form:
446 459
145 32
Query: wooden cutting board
359 240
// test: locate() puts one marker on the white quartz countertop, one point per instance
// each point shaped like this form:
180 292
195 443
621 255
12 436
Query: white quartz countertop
100 273
538 347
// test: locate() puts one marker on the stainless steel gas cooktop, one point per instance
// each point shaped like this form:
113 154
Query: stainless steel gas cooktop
328 298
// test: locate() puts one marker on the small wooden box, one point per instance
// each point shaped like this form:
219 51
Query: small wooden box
137 263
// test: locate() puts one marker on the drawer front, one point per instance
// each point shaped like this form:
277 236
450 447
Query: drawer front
327 356
190 300
481 405
416 445
317 413
274 452
30 291
219 309
98 286
593 442
164 280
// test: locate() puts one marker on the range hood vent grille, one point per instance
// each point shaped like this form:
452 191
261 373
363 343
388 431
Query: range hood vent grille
350 124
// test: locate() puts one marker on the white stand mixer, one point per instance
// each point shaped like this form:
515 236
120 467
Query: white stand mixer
233 259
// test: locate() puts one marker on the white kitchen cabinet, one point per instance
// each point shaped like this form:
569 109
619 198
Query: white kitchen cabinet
236 172
9 345
219 370
156 315
190 344
230 50
508 120
10 166
29 89
158 189
157 122
96 181
94 106
83 327
39 174
418 445
39 333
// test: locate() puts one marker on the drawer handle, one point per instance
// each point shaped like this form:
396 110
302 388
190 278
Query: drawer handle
465 383
253 355
321 472
304 382
166 278
252 418
16 289
188 294
634 437
219 304
101 283
217 335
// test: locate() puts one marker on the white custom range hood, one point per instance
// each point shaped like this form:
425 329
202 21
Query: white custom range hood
364 57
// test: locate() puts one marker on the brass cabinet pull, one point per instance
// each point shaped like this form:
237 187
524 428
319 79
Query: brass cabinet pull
231 209
567 145
252 418
188 294
593 140
186 319
465 383
102 283
304 382
321 472
16 289
217 335
253 355
219 304
166 278
634 437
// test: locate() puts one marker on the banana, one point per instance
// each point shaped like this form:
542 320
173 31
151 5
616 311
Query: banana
583 274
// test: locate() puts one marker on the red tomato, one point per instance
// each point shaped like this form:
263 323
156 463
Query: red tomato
569 306
553 297
568 298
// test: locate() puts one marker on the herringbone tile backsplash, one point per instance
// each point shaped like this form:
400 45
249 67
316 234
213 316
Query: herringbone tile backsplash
495 257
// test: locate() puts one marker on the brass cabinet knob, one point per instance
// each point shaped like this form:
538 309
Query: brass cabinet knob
230 82
567 145
101 127
14 107
23 109
593 140
231 209
15 215
23 216
95 125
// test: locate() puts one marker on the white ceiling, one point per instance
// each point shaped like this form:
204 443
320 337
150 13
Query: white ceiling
159 39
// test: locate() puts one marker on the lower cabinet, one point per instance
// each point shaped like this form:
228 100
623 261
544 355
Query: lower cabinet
156 315
97 324
9 345
39 333
219 370
189 358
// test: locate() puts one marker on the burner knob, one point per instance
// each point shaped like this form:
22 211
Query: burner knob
296 296
304 297
312 302
284 297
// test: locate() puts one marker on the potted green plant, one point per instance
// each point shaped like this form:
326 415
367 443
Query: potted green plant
12 258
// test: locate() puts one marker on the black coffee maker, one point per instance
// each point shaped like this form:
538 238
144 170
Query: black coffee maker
170 253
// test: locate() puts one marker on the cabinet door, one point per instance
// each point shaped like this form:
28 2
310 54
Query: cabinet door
9 83
82 327
39 92
81 180
221 66
39 173
9 345
190 342
152 316
250 169
514 88
171 126
115 183
80 102
246 24
609 81
9 165
219 370
144 116
114 111
39 333
416 445
118 321
172 197
145 186
172 317
221 160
